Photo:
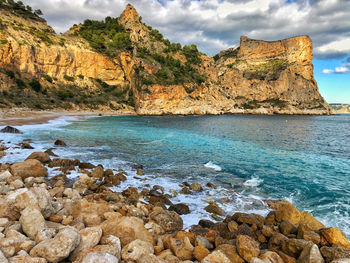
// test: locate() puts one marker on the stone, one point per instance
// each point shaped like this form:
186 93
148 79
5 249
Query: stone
214 209
334 236
60 143
99 258
202 242
310 254
42 157
27 259
271 257
97 172
16 240
59 247
310 221
181 209
286 258
247 247
341 260
25 145
200 253
32 222
89 238
285 211
139 172
182 248
28 168
170 221
185 190
127 229
333 253
293 247
231 253
232 226
287 228
136 249
276 242
9 129
311 236
196 187
216 257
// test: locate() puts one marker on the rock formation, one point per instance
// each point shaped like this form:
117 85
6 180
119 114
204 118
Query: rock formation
40 69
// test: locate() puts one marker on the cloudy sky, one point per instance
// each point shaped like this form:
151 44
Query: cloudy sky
215 25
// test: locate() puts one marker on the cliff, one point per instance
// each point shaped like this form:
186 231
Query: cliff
340 108
123 64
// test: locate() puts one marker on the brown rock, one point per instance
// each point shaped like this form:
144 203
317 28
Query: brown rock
310 254
42 157
276 242
32 223
98 172
60 143
25 145
200 253
247 247
313 223
136 249
170 221
293 247
286 258
333 253
27 259
287 228
28 168
214 209
285 211
272 257
231 253
216 257
334 236
59 247
127 229
196 187
182 248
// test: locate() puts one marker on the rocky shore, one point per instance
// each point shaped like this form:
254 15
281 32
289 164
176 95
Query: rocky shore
46 217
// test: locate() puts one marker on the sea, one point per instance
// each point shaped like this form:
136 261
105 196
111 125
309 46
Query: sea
249 158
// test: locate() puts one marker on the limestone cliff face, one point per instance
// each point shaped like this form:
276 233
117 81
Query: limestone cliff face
256 77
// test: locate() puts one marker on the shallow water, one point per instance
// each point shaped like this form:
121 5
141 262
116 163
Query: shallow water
304 159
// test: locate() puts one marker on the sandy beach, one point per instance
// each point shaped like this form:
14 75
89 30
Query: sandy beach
19 116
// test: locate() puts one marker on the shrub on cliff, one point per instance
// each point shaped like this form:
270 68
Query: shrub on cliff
18 8
35 85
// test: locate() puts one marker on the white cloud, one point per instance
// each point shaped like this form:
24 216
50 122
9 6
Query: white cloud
340 70
217 24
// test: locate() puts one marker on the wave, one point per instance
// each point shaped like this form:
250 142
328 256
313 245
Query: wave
253 182
213 166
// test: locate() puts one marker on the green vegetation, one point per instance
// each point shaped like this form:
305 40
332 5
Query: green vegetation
3 41
68 78
64 94
10 74
253 104
108 36
269 70
192 54
48 78
20 83
18 8
42 35
35 85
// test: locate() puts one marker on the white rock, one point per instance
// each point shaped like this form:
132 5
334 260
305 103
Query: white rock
99 258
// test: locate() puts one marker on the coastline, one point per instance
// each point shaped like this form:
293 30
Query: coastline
147 218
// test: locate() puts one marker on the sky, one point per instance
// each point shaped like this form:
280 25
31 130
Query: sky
215 25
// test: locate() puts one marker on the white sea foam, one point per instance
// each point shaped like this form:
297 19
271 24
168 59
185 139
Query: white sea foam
213 166
253 182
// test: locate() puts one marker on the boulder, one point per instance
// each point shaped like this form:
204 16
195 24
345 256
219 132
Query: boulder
59 247
196 187
28 168
32 222
214 209
181 247
310 221
181 208
287 228
200 253
271 257
334 236
216 257
97 172
247 247
9 129
26 259
89 238
333 253
231 253
42 157
293 247
285 211
310 254
127 229
136 249
60 143
99 258
25 145
170 221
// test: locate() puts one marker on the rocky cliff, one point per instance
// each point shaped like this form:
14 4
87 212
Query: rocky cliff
128 65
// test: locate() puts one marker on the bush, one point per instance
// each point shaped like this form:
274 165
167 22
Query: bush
68 78
64 94
80 76
35 85
10 74
48 78
20 83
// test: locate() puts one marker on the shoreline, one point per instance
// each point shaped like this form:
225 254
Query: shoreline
139 218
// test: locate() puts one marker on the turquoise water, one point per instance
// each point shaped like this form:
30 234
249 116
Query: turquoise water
304 159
